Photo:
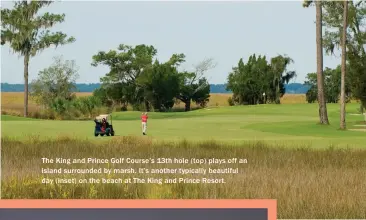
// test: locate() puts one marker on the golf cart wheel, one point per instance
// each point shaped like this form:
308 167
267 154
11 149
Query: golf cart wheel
107 134
112 133
96 134
102 135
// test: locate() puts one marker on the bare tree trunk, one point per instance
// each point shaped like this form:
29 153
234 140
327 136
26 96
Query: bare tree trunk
278 98
361 108
26 65
187 105
343 77
323 115
147 106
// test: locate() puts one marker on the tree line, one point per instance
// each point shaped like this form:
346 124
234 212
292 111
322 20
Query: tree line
332 86
137 78
259 81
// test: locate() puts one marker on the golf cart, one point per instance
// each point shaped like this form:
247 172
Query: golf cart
101 130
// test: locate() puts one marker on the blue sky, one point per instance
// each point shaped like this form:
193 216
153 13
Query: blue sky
224 31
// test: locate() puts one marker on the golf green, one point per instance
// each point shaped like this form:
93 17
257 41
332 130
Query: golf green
292 125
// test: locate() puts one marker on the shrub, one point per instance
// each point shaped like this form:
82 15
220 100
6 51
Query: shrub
77 108
124 108
10 112
230 101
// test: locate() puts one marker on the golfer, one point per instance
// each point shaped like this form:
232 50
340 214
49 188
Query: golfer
144 118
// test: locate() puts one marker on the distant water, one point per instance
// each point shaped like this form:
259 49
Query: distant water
292 88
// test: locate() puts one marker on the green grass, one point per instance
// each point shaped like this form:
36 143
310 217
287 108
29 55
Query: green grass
305 129
15 118
288 124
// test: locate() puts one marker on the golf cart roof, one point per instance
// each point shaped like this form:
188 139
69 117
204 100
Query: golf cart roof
100 117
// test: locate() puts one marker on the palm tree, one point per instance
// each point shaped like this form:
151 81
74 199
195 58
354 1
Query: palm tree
278 66
343 78
323 115
27 33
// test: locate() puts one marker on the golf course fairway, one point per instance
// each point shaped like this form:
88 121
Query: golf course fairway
289 125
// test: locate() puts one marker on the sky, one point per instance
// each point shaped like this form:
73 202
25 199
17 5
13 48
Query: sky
224 31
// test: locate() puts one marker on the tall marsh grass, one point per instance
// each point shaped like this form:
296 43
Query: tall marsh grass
307 183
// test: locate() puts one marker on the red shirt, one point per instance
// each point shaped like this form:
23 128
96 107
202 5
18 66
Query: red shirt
144 118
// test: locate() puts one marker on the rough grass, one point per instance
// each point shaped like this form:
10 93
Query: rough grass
307 183
13 102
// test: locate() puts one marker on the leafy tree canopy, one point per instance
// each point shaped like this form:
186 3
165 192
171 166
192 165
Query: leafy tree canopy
260 81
